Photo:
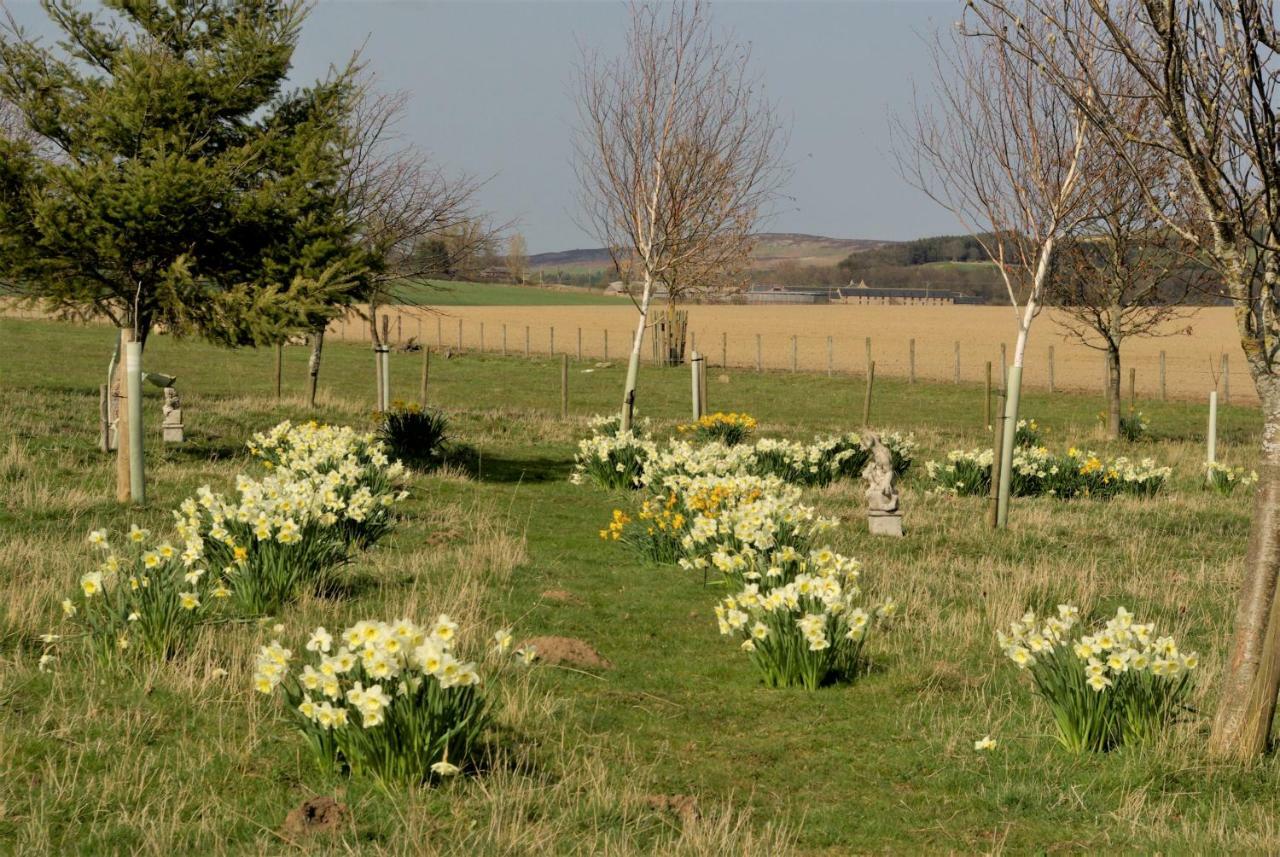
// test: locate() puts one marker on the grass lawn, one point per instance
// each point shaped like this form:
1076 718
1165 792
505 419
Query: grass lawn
451 293
181 758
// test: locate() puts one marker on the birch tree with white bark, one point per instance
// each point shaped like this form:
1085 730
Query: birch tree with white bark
1011 157
678 156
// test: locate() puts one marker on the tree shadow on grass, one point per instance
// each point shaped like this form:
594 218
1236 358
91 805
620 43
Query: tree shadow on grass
486 468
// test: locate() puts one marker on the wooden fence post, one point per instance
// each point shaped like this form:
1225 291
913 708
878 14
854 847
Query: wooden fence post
957 361
911 361
279 370
1051 377
504 340
399 329
987 399
526 342
439 332
724 350
482 337
830 356
1164 394
579 345
1133 391
1226 381
564 386
759 358
793 354
459 336
426 371
869 361
866 402
997 455
606 345
553 340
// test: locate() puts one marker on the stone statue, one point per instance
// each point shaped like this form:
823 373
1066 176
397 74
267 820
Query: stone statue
884 516
171 426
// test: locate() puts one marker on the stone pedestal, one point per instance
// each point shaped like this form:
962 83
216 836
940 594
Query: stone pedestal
885 524
171 428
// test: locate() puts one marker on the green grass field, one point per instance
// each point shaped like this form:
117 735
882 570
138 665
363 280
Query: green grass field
178 758
452 293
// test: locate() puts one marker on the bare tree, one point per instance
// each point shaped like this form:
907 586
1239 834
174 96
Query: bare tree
1126 274
678 155
517 257
1211 70
398 198
1009 155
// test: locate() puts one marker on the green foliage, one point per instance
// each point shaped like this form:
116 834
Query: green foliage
417 436
189 190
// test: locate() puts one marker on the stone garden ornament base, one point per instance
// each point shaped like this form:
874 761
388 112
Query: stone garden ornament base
884 515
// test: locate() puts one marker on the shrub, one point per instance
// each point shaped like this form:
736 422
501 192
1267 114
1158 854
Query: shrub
415 435
393 701
1225 480
1120 685
729 429
805 631
147 597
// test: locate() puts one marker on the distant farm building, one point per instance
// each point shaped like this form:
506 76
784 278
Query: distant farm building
780 295
635 290
864 294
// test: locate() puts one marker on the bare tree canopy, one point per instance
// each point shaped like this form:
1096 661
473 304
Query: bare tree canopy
677 155
1210 69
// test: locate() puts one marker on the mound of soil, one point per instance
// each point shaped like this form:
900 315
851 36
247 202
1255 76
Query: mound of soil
567 651
683 806
561 596
319 815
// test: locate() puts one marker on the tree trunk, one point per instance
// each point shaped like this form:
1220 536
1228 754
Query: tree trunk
120 389
1247 704
1113 392
633 365
313 365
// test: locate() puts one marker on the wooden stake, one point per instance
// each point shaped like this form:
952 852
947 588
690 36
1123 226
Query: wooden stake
606 345
911 361
279 370
1164 393
997 454
759 355
504 340
526 342
866 403
459 336
957 361
869 361
579 345
830 356
1133 391
564 386
1226 381
987 399
1004 367
553 341
1051 384
793 354
482 337
724 350
426 371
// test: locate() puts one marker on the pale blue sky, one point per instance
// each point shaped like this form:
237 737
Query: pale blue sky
490 86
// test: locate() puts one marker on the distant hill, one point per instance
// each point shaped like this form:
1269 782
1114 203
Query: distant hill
772 248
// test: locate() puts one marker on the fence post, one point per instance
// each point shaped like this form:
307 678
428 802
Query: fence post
724 350
564 386
1164 395
399 329
793 353
830 356
553 340
695 363
279 369
526 342
1051 384
869 354
866 403
482 337
986 414
1133 391
606 345
459 336
426 371
579 345
439 332
957 361
1212 452
759 358
504 340
911 361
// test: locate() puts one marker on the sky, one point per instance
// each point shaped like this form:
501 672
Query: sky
490 94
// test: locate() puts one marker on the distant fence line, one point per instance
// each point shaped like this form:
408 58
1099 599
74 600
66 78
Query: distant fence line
1179 376
835 355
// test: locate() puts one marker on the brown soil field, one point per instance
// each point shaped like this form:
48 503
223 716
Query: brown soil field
1193 346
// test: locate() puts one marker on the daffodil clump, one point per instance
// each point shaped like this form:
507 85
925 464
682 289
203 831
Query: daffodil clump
729 429
145 595
614 460
1029 432
1038 472
413 434
1133 427
802 620
1122 684
1225 480
392 700
360 482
